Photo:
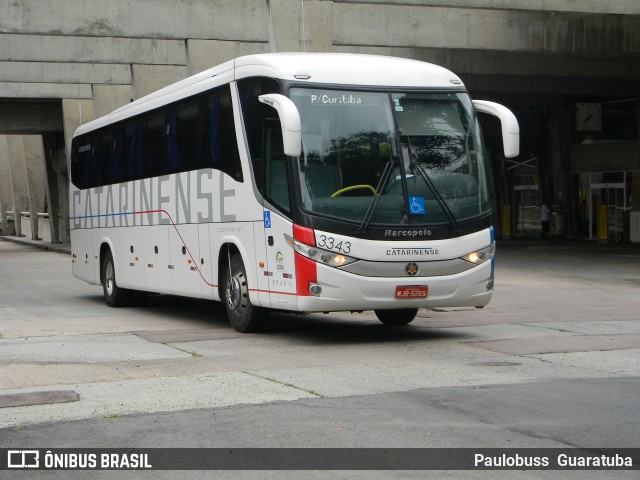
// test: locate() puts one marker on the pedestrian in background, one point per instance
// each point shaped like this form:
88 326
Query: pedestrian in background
545 218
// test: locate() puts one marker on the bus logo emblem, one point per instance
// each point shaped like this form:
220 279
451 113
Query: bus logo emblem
411 269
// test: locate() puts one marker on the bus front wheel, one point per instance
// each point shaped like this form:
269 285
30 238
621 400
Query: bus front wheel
113 294
396 318
243 316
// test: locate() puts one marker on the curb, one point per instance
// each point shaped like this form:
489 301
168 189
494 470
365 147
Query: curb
50 247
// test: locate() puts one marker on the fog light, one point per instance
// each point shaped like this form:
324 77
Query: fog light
315 289
490 285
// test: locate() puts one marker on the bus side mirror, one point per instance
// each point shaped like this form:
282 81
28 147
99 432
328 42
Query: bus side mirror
510 127
289 120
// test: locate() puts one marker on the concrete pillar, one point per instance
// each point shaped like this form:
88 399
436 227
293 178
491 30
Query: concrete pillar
36 180
635 198
53 143
59 165
6 200
19 189
561 162
300 26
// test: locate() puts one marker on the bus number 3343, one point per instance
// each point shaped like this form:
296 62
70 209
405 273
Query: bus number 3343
330 243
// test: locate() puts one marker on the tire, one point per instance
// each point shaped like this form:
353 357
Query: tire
243 316
113 294
396 318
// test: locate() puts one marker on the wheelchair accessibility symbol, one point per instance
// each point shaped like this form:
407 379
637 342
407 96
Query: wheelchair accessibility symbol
416 206
267 219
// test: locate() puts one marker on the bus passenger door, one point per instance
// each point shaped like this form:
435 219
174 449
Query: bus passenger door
280 264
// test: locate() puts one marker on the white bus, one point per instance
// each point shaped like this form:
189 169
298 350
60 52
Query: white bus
295 182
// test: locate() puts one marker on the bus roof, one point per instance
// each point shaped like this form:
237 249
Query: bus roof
346 69
316 68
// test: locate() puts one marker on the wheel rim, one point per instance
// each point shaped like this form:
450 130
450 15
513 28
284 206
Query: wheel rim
109 278
234 292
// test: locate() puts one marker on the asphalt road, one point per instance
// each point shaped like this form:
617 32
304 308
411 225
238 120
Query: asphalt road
553 361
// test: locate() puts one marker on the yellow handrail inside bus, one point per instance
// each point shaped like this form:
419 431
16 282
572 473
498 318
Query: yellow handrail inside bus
353 187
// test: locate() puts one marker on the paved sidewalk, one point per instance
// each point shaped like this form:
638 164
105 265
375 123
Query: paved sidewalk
53 247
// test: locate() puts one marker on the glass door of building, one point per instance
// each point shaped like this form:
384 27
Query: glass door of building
526 211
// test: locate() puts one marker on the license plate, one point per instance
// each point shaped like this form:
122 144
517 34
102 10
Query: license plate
411 292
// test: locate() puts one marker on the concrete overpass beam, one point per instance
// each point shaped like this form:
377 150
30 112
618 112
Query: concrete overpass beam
65 72
91 50
493 29
222 19
29 117
44 90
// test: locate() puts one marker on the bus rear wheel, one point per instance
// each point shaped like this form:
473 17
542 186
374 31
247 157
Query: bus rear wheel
113 294
398 317
243 316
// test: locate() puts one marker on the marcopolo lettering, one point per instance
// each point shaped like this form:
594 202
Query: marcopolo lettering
407 233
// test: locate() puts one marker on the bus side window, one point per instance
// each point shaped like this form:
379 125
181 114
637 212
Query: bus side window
115 160
81 161
254 114
102 141
151 145
128 151
218 143
182 144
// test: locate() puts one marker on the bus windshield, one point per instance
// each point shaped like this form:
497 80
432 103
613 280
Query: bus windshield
391 158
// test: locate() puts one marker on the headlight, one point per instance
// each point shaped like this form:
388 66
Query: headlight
481 256
332 259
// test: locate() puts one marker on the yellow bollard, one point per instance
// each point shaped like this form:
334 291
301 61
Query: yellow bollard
603 223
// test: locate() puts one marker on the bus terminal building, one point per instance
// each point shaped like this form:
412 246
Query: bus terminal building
570 71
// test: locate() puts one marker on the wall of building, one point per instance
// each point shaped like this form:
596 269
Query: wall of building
69 62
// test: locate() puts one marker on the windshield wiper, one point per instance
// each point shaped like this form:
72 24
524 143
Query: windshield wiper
417 168
384 178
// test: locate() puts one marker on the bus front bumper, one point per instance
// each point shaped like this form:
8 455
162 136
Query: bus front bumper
342 291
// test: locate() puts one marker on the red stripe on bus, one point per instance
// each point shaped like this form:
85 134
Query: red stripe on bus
304 235
306 271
